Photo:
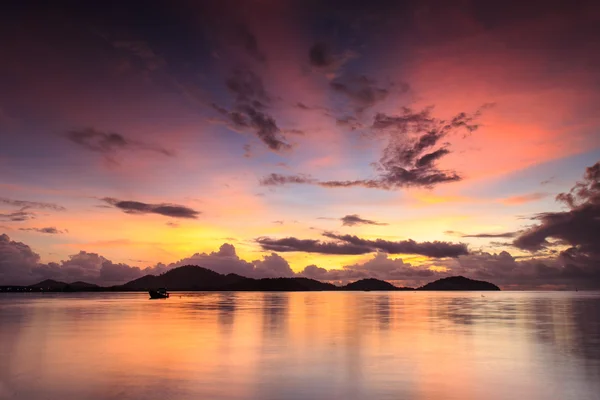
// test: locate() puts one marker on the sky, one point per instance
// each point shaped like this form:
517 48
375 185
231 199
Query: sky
337 140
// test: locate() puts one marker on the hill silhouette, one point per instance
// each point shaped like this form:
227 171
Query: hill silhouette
371 284
459 283
195 278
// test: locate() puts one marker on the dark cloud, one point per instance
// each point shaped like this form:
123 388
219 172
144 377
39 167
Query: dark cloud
248 41
361 91
17 216
348 244
320 55
578 227
249 111
509 272
292 244
409 158
405 161
247 87
50 230
354 219
279 179
137 207
32 204
109 143
434 249
428 159
142 51
483 235
349 122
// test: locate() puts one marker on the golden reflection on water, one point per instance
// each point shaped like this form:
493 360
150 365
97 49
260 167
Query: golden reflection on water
319 345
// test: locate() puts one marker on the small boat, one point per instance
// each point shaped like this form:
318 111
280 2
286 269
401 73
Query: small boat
159 294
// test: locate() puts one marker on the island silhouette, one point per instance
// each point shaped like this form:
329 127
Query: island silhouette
195 278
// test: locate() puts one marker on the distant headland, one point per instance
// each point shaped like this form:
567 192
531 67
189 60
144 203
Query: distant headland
194 278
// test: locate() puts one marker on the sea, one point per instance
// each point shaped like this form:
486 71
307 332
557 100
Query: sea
301 345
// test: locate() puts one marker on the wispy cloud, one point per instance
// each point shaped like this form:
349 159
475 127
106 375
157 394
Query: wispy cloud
110 143
166 209
249 111
354 219
32 204
524 198
49 230
17 216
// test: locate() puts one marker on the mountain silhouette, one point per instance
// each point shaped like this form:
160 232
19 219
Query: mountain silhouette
195 278
371 284
192 277
459 283
188 277
51 285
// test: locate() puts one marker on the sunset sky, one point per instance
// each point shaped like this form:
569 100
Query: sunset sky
402 140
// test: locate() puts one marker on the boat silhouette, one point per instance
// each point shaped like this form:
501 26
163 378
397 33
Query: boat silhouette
159 294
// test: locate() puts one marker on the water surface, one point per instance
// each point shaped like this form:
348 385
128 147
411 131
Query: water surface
319 345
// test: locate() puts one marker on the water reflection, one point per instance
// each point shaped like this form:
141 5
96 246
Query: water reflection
361 345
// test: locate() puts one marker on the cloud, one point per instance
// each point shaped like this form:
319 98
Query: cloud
248 41
226 261
578 227
272 266
434 249
249 113
361 91
279 179
32 204
19 264
137 207
291 244
379 267
409 158
525 198
350 122
17 216
142 51
321 56
354 219
348 244
492 235
50 230
16 260
110 143
505 270
483 235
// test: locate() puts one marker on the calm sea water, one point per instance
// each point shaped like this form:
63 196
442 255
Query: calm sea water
361 345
